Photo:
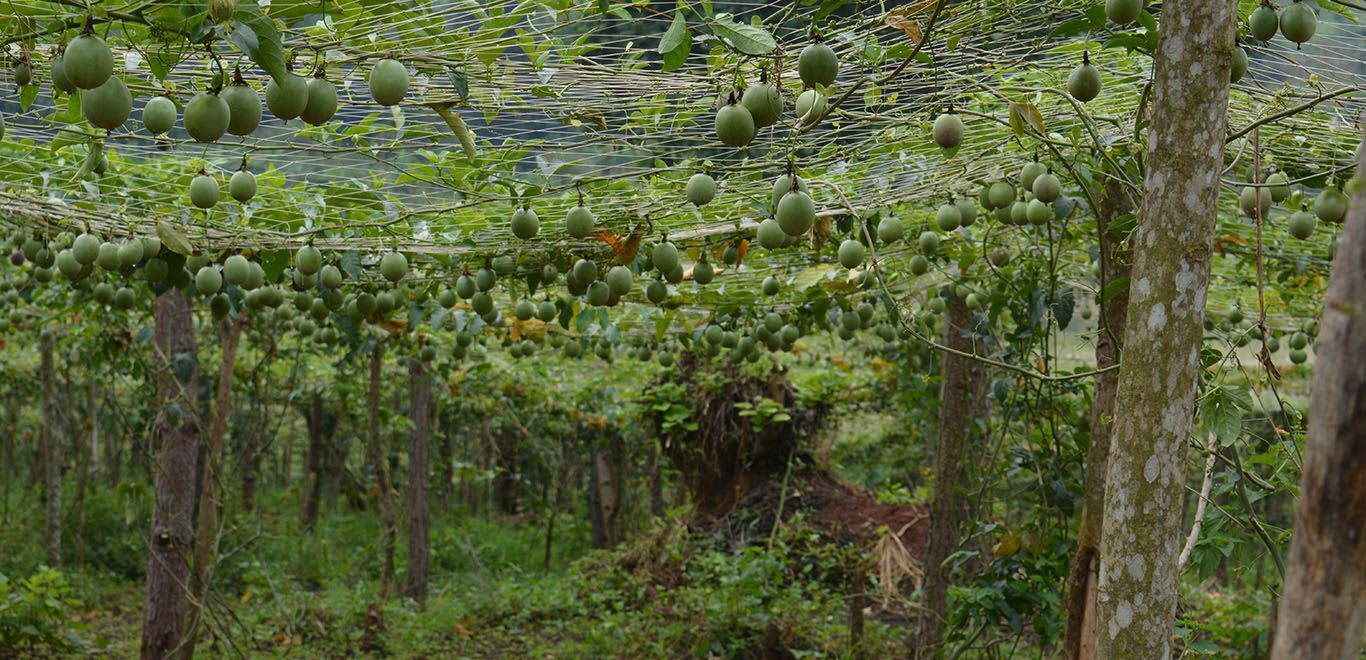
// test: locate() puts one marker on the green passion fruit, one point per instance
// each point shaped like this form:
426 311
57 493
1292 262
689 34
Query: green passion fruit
796 213
244 109
578 223
87 62
525 224
287 99
770 234
158 115
1084 81
1123 12
811 106
851 253
701 189
393 266
665 257
734 125
109 105
242 185
204 191
763 103
59 80
1263 23
818 65
948 131
388 82
207 117
1298 22
322 102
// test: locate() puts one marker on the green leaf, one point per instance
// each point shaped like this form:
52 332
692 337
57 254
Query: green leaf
676 43
1221 412
263 44
1114 288
173 238
745 38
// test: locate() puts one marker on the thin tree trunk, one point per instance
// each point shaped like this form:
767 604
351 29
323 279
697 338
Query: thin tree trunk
445 494
313 479
177 431
52 455
420 403
656 476
1079 642
1145 484
961 394
206 530
1323 609
375 454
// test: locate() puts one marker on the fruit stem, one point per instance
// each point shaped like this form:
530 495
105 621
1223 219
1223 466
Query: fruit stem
243 167
1085 57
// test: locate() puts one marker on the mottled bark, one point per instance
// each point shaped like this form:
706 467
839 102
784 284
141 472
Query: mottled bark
604 499
1079 642
206 529
1323 608
177 433
374 451
962 395
420 409
51 453
1144 488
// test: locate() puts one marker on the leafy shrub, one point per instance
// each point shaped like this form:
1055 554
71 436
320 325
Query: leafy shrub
34 615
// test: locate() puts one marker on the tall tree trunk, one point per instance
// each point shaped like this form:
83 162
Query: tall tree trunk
962 395
1323 609
177 432
655 471
1079 641
445 490
313 479
375 454
420 404
52 455
206 529
1144 488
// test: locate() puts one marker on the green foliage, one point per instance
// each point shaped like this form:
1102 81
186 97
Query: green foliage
35 615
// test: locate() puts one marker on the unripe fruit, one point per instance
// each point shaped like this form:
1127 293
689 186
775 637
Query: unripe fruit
656 292
1037 212
948 218
244 109
87 62
770 234
703 273
242 186
524 310
796 213
851 253
308 260
525 224
485 279
620 279
208 281
701 189
929 242
1123 12
204 191
59 79
222 11
1084 82
811 106
287 101
1240 63
783 185
763 103
1262 24
108 258
1298 22
1251 198
578 223
393 266
206 117
734 125
1001 195
665 257
124 298
1301 224
322 102
948 131
1047 188
236 270
1331 205
86 249
599 294
967 211
817 65
1019 212
388 82
1031 171
67 264
890 229
330 277
158 115
108 105
585 271
130 252
771 286
1278 184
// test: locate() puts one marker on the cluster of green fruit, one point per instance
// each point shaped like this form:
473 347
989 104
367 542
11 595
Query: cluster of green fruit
1033 204
1296 22
1124 12
1329 206
1241 331
760 105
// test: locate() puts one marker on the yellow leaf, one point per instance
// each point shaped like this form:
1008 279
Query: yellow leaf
901 20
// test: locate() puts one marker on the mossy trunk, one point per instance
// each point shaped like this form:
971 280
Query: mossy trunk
177 434
962 397
1323 609
1145 484
1079 642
